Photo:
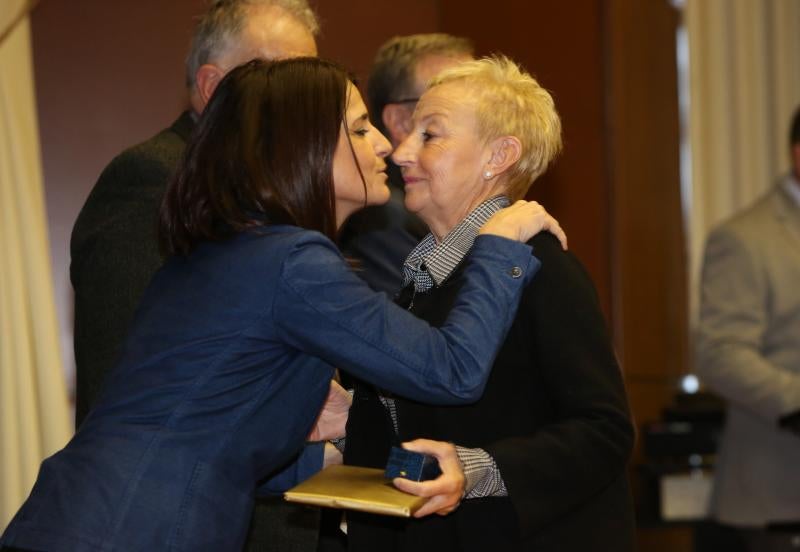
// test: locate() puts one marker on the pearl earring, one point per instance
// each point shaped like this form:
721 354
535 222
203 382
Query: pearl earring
487 175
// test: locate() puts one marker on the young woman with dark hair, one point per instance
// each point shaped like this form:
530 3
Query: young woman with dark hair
234 345
254 161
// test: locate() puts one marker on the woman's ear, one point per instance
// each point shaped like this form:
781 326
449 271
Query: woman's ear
505 151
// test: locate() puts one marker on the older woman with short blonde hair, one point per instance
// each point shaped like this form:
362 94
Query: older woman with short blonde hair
541 456
509 102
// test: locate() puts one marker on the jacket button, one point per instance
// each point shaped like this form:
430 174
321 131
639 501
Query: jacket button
515 272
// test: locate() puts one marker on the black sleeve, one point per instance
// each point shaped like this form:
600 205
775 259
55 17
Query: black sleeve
586 445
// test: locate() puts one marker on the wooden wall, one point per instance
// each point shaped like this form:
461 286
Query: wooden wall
561 44
110 74
650 310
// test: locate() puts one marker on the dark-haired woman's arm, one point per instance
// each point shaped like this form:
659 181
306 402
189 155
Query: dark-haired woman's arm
326 310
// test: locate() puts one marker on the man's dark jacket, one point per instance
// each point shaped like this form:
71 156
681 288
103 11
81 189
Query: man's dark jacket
380 237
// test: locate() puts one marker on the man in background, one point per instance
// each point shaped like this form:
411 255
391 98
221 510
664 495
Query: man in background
114 246
381 237
749 353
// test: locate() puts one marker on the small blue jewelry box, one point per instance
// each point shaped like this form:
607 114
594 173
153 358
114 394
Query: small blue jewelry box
411 465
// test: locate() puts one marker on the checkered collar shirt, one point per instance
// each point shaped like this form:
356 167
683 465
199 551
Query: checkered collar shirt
431 263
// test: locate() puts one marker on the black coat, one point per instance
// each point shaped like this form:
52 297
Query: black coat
554 417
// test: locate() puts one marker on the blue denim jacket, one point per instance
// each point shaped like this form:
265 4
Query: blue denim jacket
222 377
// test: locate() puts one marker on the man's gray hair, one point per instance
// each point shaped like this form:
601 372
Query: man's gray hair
221 24
392 75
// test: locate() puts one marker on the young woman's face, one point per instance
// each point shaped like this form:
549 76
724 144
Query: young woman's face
370 147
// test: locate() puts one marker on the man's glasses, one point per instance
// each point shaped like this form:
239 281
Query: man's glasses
404 101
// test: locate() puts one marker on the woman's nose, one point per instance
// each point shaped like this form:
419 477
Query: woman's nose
383 147
404 153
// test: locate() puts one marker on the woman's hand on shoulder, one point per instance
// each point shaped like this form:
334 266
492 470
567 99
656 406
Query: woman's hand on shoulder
523 220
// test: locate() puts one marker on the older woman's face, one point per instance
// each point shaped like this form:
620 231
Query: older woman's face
443 159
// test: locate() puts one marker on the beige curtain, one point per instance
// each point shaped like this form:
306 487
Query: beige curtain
744 84
34 410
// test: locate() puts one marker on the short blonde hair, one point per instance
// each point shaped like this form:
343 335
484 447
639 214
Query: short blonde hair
509 102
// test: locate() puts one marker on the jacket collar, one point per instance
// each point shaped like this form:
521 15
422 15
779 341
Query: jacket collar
184 125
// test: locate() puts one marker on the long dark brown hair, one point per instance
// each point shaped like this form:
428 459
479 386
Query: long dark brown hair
262 153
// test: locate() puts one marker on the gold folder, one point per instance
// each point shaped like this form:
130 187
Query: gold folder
355 488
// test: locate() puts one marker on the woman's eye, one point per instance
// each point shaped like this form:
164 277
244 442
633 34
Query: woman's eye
361 131
426 136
